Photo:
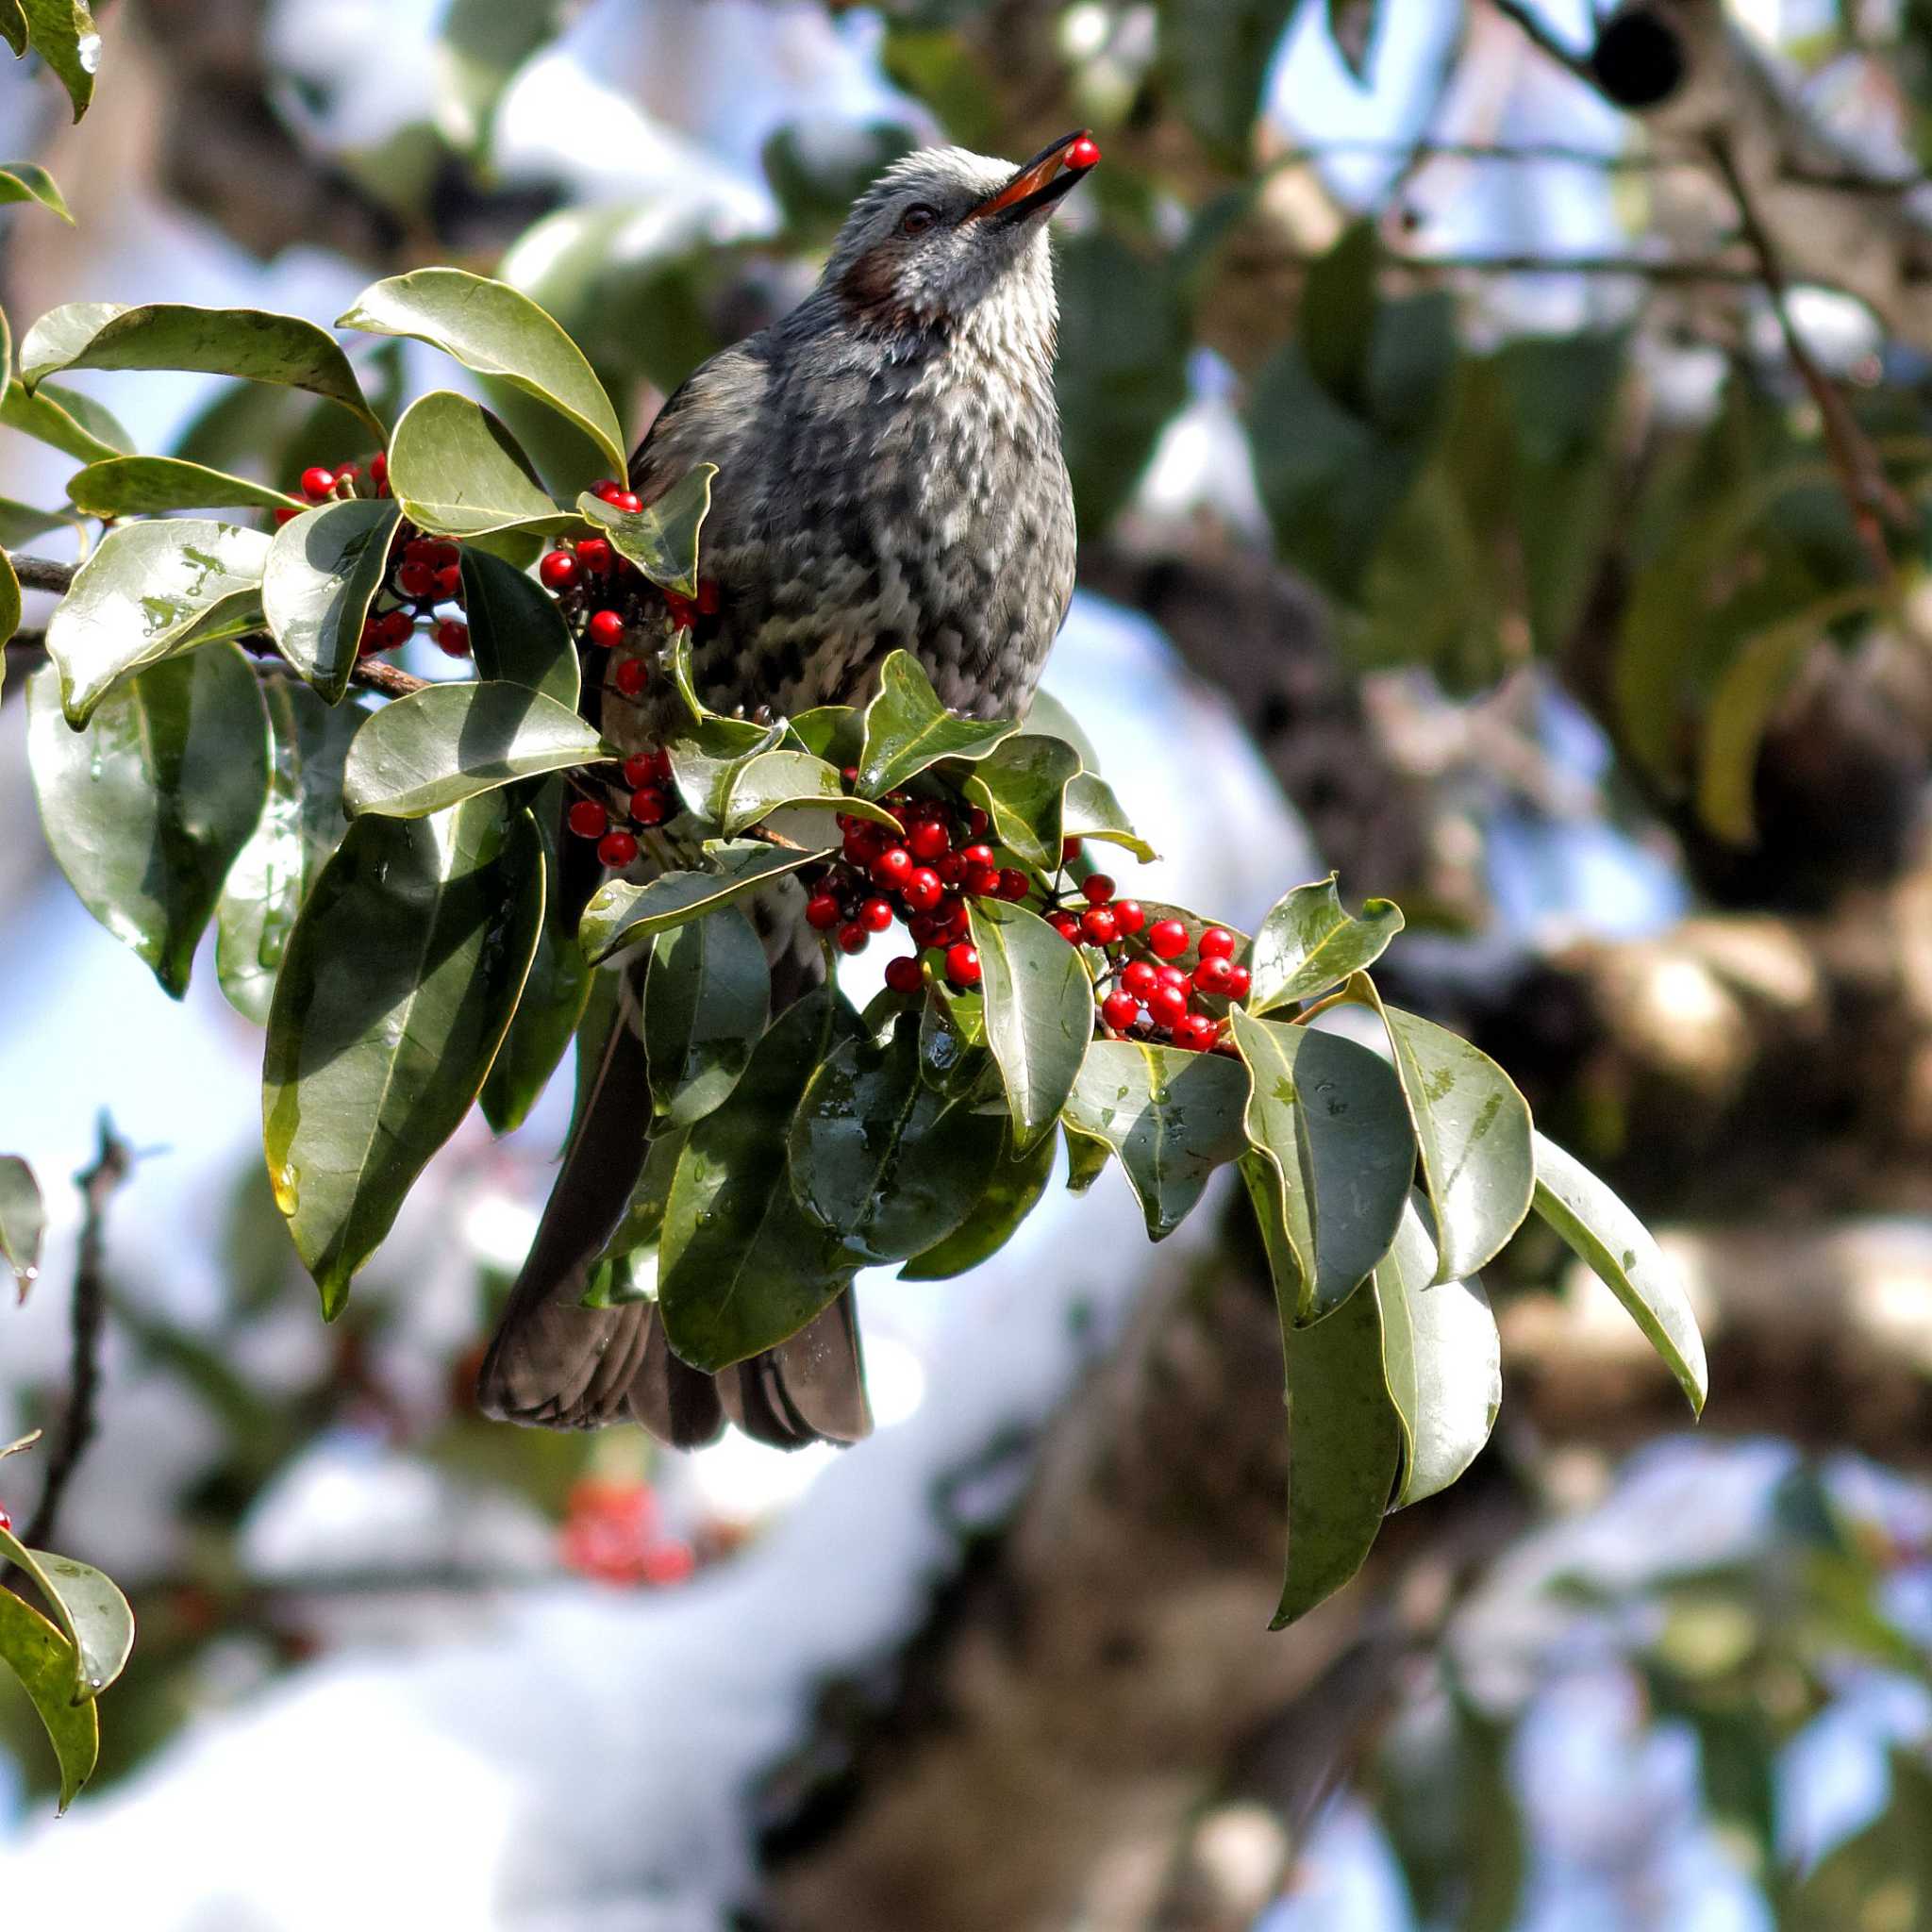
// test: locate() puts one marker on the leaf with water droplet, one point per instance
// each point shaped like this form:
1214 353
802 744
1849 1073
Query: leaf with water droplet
1039 1011
706 994
64 36
92 1613
45 1662
907 729
23 1221
1310 942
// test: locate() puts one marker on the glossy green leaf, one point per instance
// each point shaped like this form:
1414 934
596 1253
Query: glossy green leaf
146 485
706 759
23 1221
613 1274
832 732
29 181
300 826
1015 1189
516 631
882 1157
707 996
741 1267
1021 785
64 36
21 523
662 537
1039 1011
396 989
554 993
1172 1117
439 746
1214 57
323 572
1307 944
1472 1130
797 797
1617 1247
620 913
251 343
44 1662
1091 811
1441 1359
907 729
495 330
150 592
1087 1158
90 1612
146 809
457 472
65 420
13 26
1328 1118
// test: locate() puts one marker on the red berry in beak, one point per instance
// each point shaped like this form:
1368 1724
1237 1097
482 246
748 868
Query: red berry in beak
1084 152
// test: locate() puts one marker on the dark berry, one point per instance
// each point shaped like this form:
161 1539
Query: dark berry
605 629
617 848
1067 926
449 582
823 912
607 489
640 769
684 612
852 938
632 676
378 473
982 881
649 804
709 598
1120 1011
588 819
1097 889
286 515
1070 850
962 965
926 929
903 974
559 571
1167 938
452 639
1098 927
977 824
1014 884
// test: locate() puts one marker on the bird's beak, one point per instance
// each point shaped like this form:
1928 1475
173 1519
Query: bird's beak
1043 180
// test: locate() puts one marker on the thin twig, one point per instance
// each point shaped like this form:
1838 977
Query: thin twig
1540 37
112 1163
41 573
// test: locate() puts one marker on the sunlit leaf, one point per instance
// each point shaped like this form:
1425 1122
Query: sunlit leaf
146 485
907 729
796 796
662 538
323 572
1021 785
706 994
13 26
1307 944
1091 811
64 36
88 1609
44 1662
64 420
620 913
1039 1011
29 181
457 472
23 1221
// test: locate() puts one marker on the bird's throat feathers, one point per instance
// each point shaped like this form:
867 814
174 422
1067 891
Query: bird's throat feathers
1013 318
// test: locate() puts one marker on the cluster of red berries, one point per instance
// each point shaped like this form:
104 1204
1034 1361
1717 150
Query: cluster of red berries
320 485
611 1532
1150 999
650 802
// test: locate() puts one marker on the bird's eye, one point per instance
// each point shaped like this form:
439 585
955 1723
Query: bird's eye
918 219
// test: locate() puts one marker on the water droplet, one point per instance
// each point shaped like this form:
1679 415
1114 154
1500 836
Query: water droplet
87 50
285 1181
1629 1258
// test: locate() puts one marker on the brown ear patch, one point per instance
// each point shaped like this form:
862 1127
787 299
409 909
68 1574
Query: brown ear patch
869 292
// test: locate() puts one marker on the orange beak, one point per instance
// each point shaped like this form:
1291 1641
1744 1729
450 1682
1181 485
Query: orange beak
1041 181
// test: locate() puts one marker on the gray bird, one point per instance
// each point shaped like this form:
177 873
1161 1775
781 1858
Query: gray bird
888 477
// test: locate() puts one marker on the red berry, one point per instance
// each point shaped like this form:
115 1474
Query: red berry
452 639
876 915
559 571
892 867
666 1562
958 921
595 555
865 841
1194 1032
649 806
626 500
926 929
1130 915
852 938
639 768
1173 976
684 612
632 676
822 912
952 868
904 974
978 854
317 482
982 881
1168 1005
1213 975
849 776
1138 977
709 598
923 890
1238 982
1120 1011
1167 938
378 473
962 965
449 581
588 819
617 848
607 488
927 840
286 515
977 824
1067 926
1098 927
1217 942
415 580
1097 889
660 765
384 633
1084 152
605 629
1014 884
1070 850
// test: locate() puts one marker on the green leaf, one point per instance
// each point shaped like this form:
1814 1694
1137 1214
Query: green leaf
323 572
740 1267
516 631
662 537
1091 811
1215 56
1473 1131
151 592
396 989
29 181
64 36
706 759
457 472
145 486
1442 1362
1021 784
10 608
300 826
1618 1248
1171 1116
620 913
146 809
65 420
1014 1191
19 522
796 796
13 26
92 1614
1307 944
1327 1117
907 729
1335 322
1344 1445
495 330
1087 1158
706 996
23 1221
1039 1011
44 1662
554 996
250 342
882 1157
437 747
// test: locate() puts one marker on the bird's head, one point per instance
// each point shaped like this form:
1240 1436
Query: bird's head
943 231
